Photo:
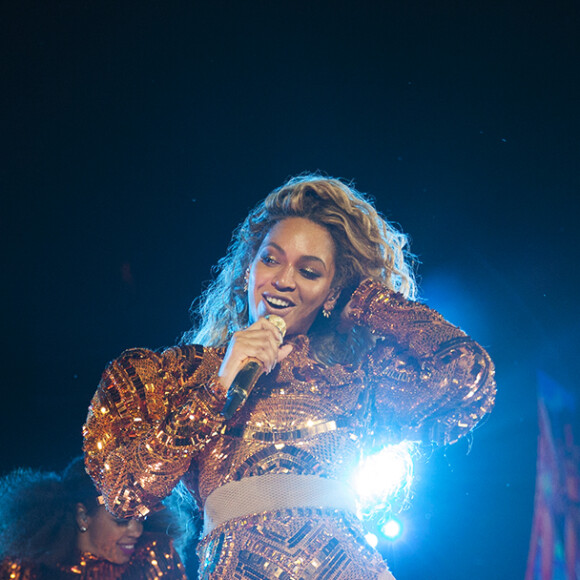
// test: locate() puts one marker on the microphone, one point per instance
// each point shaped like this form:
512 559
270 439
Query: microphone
248 376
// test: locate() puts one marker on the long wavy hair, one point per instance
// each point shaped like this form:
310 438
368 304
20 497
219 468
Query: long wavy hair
366 246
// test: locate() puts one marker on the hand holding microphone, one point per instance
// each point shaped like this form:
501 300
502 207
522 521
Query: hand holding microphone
253 367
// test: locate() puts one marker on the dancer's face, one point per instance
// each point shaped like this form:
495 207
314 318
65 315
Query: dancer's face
108 537
292 274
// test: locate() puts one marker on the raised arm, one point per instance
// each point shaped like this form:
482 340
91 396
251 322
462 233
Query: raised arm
431 381
150 415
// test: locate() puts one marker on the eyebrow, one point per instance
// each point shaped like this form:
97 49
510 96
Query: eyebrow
316 258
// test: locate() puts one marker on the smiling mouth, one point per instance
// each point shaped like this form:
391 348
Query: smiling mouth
127 548
278 303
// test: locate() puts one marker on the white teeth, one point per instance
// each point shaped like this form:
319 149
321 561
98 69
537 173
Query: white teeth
277 302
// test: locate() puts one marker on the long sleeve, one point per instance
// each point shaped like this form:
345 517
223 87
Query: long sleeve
430 380
151 414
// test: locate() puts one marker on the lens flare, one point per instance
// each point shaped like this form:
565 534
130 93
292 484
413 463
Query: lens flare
392 529
372 540
383 479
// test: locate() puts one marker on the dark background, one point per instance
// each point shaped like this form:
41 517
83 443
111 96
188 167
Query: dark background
136 135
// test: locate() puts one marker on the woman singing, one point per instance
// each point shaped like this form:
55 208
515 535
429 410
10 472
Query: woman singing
360 364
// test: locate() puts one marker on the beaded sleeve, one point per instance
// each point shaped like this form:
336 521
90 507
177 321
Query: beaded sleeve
431 381
150 415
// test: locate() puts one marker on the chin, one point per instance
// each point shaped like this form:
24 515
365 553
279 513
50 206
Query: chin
121 558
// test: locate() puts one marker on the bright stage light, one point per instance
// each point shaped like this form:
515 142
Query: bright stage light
383 479
392 529
372 540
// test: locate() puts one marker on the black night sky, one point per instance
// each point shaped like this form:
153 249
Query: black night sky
136 135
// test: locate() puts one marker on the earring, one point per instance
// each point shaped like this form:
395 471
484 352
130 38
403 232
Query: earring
83 529
246 279
326 312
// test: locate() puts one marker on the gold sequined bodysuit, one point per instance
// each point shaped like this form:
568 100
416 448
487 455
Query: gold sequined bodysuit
155 420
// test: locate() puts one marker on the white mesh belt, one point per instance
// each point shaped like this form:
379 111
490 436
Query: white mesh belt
272 492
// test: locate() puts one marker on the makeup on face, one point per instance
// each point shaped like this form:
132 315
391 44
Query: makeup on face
292 274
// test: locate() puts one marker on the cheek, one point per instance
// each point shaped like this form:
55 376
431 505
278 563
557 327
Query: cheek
255 282
106 544
257 274
316 297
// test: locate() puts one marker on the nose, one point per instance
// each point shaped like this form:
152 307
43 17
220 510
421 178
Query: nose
135 528
284 279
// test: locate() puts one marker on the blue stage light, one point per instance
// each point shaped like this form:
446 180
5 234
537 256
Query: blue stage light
392 528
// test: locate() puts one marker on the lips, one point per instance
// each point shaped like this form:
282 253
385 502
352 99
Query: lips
278 303
127 549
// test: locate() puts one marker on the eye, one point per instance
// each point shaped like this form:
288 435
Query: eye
310 274
268 259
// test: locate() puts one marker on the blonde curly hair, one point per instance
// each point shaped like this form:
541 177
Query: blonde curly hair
367 246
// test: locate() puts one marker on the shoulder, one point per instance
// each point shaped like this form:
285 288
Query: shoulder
186 357
14 569
156 550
